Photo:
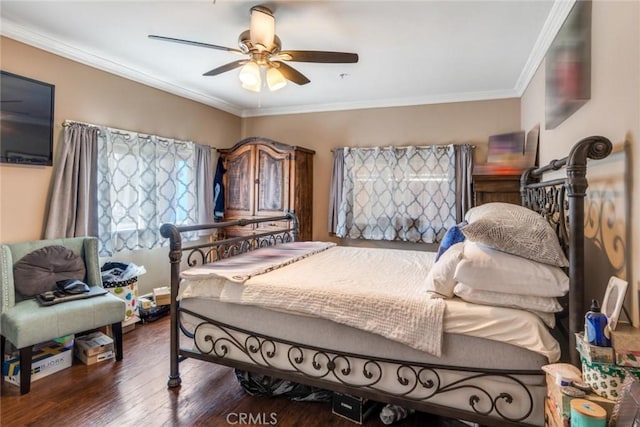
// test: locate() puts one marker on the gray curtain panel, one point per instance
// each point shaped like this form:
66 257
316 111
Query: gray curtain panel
335 192
204 183
74 200
464 170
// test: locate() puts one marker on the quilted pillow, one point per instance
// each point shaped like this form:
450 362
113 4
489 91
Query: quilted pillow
488 269
38 271
516 230
440 281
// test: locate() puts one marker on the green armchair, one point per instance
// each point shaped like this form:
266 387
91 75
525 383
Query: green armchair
24 322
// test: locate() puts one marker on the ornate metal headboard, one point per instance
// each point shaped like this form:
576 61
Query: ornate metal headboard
561 202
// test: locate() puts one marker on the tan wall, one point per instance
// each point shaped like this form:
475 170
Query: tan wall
464 122
89 95
86 94
613 110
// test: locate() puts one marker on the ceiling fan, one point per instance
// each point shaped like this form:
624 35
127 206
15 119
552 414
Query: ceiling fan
265 62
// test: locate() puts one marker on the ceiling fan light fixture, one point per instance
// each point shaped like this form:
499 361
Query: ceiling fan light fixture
253 88
250 74
275 79
262 28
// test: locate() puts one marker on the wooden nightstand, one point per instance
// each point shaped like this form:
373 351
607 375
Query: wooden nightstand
496 188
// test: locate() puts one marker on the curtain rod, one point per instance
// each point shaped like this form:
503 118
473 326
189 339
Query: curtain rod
438 146
68 123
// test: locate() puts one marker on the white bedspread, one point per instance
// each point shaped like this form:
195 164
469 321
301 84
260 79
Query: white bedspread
516 327
380 291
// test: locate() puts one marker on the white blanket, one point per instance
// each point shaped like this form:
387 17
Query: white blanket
241 267
380 291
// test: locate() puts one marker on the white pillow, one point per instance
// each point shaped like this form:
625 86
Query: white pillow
524 302
516 230
549 319
487 269
440 280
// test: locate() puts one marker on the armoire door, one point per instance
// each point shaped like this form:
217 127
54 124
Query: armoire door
272 181
239 183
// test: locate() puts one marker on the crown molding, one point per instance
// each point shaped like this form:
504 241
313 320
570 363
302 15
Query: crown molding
382 103
558 14
26 35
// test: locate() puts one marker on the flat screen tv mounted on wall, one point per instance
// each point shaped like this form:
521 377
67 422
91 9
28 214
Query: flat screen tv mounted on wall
26 120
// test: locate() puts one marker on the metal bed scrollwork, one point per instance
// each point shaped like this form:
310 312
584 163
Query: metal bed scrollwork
414 385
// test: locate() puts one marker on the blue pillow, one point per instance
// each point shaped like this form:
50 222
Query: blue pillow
451 237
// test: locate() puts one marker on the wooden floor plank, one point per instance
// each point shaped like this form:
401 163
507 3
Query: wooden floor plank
134 392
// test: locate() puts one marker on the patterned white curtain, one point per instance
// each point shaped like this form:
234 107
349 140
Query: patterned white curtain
397 193
143 182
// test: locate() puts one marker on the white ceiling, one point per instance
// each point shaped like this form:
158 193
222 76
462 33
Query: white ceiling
411 52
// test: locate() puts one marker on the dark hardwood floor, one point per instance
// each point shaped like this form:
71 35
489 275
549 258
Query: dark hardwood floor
134 392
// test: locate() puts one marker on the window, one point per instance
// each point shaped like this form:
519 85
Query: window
143 182
397 193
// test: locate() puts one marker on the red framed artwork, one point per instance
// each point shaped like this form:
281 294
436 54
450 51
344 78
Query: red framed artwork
568 66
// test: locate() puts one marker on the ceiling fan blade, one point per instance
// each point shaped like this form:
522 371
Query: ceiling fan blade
192 43
226 67
292 74
318 56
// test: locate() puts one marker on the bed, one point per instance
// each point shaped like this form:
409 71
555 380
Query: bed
477 362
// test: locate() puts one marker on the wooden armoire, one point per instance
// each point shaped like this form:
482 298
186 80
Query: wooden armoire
264 178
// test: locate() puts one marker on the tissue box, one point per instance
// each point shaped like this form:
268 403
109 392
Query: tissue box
47 359
94 348
599 370
593 353
606 379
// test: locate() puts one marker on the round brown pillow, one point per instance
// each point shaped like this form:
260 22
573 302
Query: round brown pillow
38 271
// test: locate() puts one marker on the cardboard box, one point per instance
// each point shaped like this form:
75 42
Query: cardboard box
162 296
552 417
594 353
626 343
47 359
353 408
129 324
91 360
626 336
94 348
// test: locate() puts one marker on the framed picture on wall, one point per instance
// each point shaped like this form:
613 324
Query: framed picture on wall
568 66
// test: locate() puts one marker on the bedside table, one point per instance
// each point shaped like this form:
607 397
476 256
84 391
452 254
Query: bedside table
496 188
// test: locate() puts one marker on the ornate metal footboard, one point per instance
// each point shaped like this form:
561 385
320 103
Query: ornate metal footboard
488 396
506 401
